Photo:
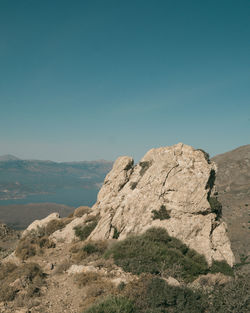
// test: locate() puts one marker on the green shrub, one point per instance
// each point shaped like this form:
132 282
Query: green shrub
162 214
155 252
133 185
112 305
211 180
215 206
53 226
222 267
152 294
31 245
84 231
144 167
31 273
233 297
98 247
116 233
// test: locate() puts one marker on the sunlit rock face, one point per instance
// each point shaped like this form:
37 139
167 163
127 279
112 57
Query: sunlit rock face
168 188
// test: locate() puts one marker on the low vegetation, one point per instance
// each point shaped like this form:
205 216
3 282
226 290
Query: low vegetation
26 279
215 205
33 244
151 294
80 211
155 252
112 305
85 230
145 165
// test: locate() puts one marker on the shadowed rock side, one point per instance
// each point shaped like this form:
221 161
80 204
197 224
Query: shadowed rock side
233 185
169 188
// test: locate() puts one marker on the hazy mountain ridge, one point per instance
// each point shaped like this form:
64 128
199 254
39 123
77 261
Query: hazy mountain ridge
21 178
233 185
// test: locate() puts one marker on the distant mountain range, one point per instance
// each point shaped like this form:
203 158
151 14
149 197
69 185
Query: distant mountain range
20 179
8 157
233 184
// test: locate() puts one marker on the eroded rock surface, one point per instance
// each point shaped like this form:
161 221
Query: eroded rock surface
169 188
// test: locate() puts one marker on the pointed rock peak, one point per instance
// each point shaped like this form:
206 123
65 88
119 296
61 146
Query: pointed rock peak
171 188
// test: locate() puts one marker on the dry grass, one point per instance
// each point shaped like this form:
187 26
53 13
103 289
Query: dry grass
26 279
80 211
32 245
96 287
90 251
62 267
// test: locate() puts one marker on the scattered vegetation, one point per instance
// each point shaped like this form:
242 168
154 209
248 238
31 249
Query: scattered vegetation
33 244
85 230
96 287
133 185
152 295
215 206
221 267
80 211
53 226
116 233
155 252
112 305
26 279
233 297
144 167
162 214
62 267
98 247
91 250
211 180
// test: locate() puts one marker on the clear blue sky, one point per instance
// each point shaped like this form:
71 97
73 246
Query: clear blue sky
84 80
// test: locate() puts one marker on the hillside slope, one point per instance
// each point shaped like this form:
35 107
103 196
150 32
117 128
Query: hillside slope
233 184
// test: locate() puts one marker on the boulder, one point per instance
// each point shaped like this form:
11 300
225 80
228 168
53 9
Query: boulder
39 224
170 188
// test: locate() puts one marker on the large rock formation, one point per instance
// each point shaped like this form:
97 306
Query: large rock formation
169 188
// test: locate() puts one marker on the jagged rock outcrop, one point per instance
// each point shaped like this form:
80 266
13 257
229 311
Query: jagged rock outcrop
39 224
169 188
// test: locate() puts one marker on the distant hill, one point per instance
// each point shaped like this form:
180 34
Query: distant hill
8 157
20 179
233 184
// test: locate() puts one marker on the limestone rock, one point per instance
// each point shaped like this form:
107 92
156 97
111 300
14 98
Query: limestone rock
169 188
37 224
172 281
67 234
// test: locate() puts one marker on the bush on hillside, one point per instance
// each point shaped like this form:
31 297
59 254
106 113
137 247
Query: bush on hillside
53 226
222 267
215 205
30 273
154 252
151 294
97 247
32 245
233 297
85 230
112 305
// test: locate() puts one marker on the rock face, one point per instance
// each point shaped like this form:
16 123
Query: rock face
169 188
233 185
40 223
